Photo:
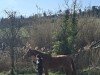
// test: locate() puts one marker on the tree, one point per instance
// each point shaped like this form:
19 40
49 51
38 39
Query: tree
44 14
72 29
61 41
64 40
11 36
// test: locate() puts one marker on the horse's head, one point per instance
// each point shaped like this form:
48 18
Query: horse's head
34 54
28 54
31 53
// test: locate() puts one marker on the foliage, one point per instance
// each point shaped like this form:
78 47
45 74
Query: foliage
89 72
61 42
65 39
25 71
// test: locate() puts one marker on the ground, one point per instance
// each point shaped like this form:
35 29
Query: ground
31 74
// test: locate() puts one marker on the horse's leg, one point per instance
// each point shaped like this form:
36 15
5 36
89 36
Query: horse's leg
46 71
65 70
68 71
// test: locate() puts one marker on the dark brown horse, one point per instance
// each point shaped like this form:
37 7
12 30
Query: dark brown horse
50 62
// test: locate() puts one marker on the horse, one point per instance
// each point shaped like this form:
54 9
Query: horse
52 62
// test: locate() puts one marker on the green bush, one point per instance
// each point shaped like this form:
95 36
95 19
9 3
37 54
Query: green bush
90 72
25 71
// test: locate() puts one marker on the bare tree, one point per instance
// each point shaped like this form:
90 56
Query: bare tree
12 37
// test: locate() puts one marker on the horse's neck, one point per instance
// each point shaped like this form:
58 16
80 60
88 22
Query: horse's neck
44 56
47 57
41 54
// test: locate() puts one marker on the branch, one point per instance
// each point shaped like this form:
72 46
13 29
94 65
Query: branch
66 2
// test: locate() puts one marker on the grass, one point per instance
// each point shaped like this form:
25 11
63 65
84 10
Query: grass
33 74
89 71
51 73
86 71
18 74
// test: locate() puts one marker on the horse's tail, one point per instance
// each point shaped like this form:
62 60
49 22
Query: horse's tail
74 68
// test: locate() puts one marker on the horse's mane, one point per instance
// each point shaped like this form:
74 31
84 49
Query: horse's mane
35 52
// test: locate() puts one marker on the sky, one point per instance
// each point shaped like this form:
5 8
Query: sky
29 7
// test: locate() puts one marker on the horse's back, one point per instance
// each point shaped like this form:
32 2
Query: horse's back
58 61
61 56
65 58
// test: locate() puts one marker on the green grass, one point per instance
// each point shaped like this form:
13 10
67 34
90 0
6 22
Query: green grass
34 74
89 71
86 71
56 73
18 74
3 73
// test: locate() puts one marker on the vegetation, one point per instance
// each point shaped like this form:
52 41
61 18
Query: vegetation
65 39
61 38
